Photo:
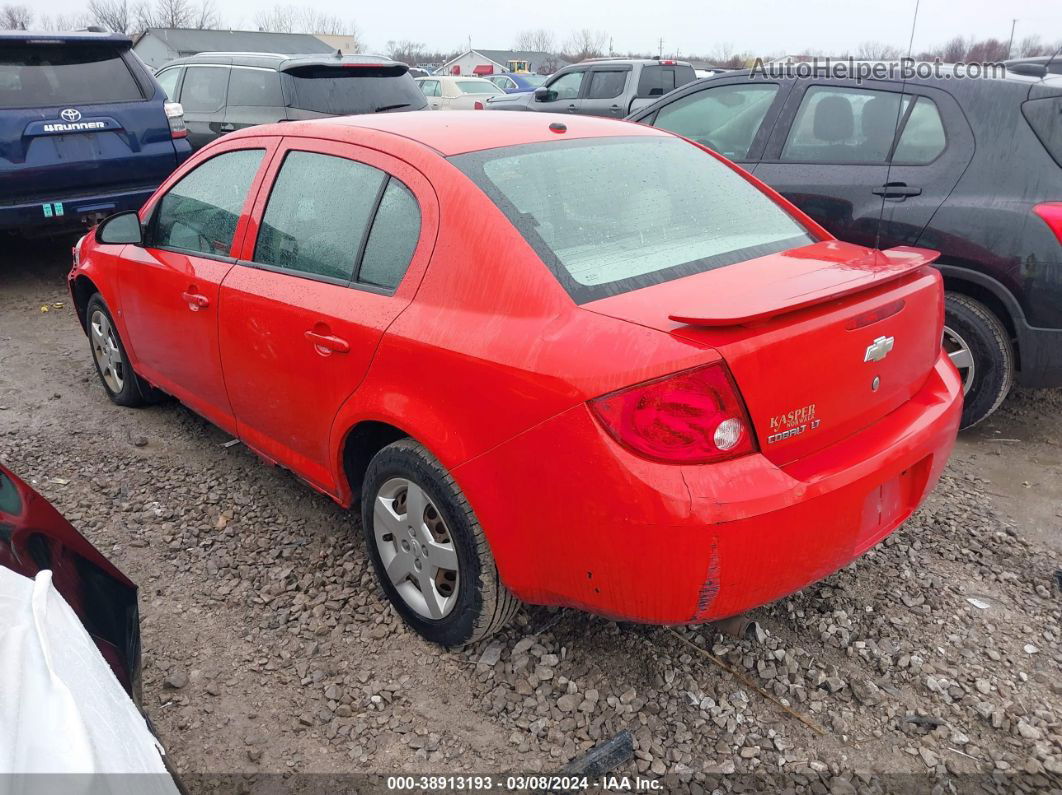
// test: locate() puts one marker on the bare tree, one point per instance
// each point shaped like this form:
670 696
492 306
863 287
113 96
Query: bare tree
15 17
293 19
409 52
987 51
62 22
174 14
115 15
278 19
1031 46
585 43
539 40
954 51
877 51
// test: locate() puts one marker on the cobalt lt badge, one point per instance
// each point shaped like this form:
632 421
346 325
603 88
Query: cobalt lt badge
879 349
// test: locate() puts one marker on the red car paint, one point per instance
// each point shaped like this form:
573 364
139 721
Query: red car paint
483 357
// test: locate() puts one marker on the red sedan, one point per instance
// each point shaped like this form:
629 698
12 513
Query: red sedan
559 359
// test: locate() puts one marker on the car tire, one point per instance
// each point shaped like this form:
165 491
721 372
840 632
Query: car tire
448 606
979 345
122 385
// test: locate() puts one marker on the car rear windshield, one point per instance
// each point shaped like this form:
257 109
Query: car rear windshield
44 75
1045 117
344 90
609 215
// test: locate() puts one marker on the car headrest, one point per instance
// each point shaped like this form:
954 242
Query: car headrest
833 119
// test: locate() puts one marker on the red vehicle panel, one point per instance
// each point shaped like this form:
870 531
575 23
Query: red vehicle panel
659 445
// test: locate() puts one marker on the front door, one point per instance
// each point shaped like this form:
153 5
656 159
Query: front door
303 311
169 287
565 90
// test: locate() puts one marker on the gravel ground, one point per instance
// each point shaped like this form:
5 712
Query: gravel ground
269 649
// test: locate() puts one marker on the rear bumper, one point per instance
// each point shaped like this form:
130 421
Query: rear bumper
71 212
575 520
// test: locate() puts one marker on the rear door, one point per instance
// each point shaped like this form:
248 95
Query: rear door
254 97
204 90
169 287
345 233
606 92
831 149
78 119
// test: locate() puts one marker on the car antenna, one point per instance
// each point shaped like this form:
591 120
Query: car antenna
1051 60
895 130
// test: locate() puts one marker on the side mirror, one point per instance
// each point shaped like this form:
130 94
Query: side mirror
543 94
121 228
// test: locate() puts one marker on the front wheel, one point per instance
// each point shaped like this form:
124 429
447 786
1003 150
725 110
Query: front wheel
112 363
428 550
979 346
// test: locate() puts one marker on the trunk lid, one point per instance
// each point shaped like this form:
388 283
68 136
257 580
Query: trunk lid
822 340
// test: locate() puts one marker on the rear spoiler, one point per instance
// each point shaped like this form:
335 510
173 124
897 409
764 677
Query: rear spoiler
759 289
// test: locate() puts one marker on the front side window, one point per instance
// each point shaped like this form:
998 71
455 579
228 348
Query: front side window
200 213
844 125
255 88
724 118
168 81
606 85
42 75
204 88
317 215
567 85
612 215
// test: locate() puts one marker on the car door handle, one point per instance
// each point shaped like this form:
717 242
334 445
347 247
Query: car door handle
896 190
326 343
195 301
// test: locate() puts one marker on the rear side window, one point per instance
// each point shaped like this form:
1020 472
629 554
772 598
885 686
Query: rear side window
42 75
1045 117
612 215
606 85
318 213
844 125
923 138
201 211
204 88
724 118
341 91
394 235
168 80
254 88
655 81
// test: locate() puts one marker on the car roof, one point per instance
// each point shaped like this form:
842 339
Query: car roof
459 132
50 37
650 61
280 61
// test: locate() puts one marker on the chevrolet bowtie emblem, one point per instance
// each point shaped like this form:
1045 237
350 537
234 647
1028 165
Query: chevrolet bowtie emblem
879 349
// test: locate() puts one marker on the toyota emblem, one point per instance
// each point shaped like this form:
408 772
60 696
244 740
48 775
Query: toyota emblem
70 114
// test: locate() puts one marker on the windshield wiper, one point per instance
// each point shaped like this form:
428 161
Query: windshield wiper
391 107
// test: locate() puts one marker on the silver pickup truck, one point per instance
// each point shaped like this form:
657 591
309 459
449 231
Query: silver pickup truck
601 87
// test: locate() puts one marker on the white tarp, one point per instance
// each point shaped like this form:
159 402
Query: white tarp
62 711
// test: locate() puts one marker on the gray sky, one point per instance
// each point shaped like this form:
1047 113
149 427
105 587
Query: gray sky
756 26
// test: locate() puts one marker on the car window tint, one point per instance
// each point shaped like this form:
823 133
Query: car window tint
39 75
201 211
606 85
394 235
673 210
317 214
168 80
204 88
567 86
923 136
844 125
655 81
255 87
725 118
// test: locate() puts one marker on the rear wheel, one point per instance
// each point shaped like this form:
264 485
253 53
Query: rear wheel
979 346
429 552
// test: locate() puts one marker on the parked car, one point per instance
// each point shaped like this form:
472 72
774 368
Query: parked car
457 93
34 537
85 130
222 92
517 82
971 168
690 405
601 87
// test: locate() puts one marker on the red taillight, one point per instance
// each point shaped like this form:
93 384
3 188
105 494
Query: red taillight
477 105
1052 215
175 116
692 417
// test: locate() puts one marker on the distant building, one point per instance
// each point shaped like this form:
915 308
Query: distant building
490 62
157 46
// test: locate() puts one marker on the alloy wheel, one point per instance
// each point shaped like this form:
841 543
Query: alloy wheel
961 356
106 351
416 548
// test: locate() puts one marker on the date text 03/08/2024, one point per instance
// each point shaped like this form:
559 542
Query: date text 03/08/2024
524 783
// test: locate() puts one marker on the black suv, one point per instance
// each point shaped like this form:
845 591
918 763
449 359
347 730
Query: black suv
225 91
601 87
969 167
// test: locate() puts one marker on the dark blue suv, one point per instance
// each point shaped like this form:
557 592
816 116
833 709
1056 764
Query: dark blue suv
85 130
